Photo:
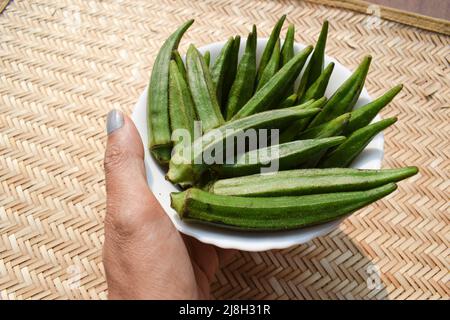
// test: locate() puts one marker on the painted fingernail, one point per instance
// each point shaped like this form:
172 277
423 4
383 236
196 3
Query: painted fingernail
114 121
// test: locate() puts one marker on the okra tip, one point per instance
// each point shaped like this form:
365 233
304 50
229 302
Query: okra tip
187 24
307 50
411 171
385 189
192 48
398 88
367 59
390 121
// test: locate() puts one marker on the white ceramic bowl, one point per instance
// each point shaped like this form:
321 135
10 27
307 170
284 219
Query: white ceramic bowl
370 158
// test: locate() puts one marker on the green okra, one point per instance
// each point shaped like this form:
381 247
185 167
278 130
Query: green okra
271 213
242 88
277 157
181 106
219 69
318 56
331 128
345 96
177 57
188 164
302 84
158 121
308 181
276 86
365 114
203 91
314 68
267 53
230 75
272 66
207 57
295 128
288 102
318 88
287 51
344 154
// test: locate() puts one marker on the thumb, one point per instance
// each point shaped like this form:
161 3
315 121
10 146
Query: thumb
127 192
124 156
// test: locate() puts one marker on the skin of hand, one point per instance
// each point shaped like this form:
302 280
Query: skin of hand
144 256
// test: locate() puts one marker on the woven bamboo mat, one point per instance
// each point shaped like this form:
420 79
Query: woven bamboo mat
64 64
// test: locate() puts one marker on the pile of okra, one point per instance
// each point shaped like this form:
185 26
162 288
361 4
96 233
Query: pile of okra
318 137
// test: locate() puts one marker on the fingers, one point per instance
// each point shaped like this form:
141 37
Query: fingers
208 257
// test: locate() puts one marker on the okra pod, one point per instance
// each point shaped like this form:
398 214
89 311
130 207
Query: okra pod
181 106
267 53
365 114
315 65
345 96
230 75
203 90
158 121
318 88
344 155
271 68
278 157
288 102
271 213
287 51
276 86
331 128
318 56
296 127
177 57
242 88
219 69
186 166
308 181
207 57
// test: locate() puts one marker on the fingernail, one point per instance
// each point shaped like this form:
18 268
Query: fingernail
114 121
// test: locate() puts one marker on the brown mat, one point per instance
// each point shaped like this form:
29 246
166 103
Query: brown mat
64 64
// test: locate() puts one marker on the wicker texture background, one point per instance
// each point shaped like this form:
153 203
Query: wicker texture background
65 64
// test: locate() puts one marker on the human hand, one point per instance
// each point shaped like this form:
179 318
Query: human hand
144 256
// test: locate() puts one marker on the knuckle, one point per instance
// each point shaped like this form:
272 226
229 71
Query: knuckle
120 224
115 157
